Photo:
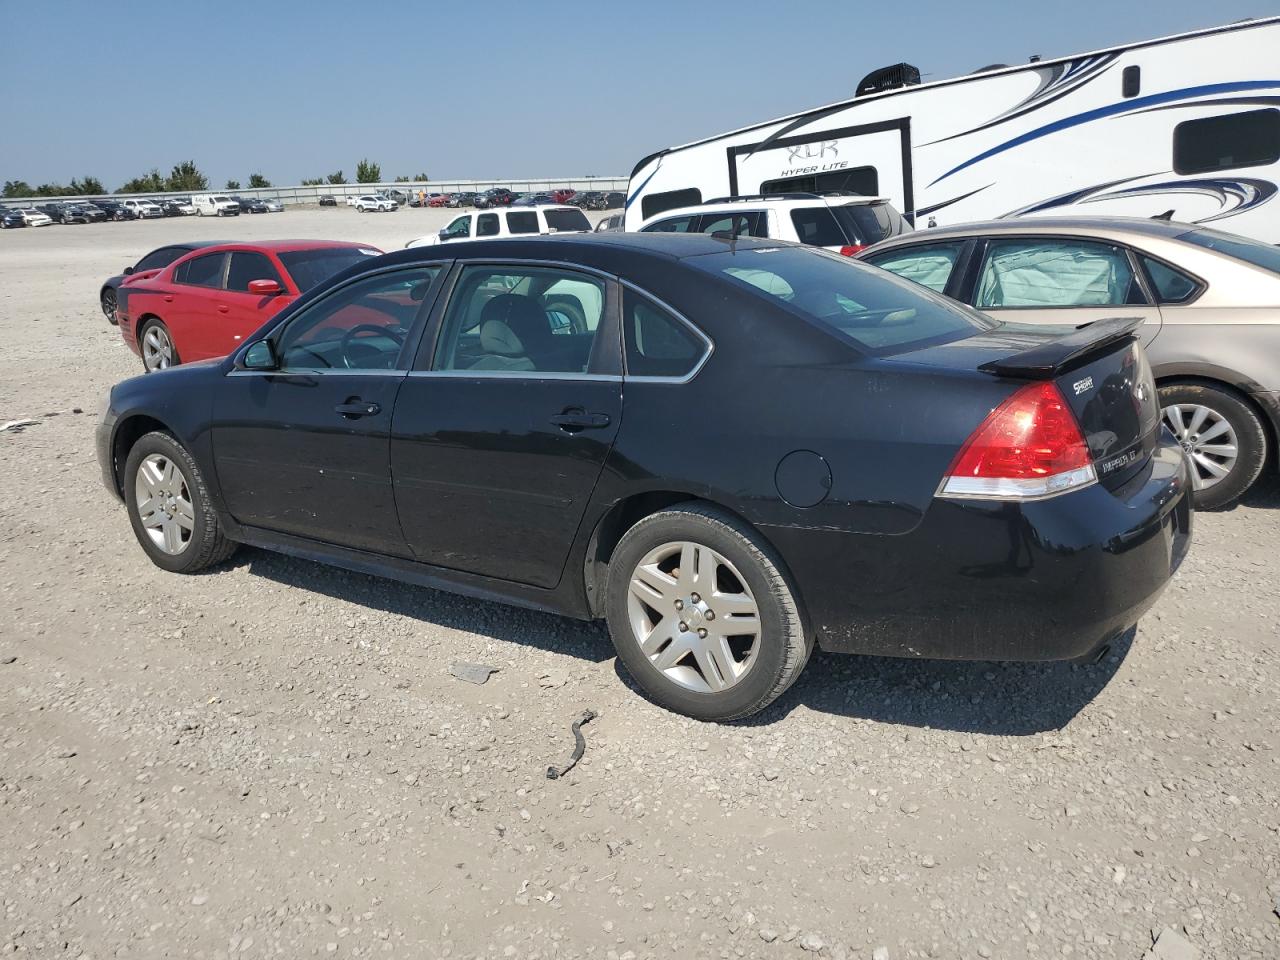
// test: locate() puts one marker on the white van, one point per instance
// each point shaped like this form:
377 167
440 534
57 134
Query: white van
514 222
216 205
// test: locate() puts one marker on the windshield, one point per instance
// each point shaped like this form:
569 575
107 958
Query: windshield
1242 248
310 268
568 219
878 312
221 199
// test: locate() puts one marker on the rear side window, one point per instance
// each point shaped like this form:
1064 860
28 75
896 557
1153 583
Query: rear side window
523 221
203 271
929 265
749 223
657 344
877 312
817 227
673 225
159 259
247 265
1171 286
1249 139
1047 272
567 220
487 225
656 203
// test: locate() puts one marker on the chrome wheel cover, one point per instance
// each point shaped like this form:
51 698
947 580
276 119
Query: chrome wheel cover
157 348
164 504
1208 439
693 616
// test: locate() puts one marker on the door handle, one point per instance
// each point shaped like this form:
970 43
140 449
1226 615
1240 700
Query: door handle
571 421
356 408
223 308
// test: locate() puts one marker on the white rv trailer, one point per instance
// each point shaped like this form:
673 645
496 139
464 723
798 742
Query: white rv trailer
1187 124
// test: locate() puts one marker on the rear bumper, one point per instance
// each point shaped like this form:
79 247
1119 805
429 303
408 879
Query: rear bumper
1047 580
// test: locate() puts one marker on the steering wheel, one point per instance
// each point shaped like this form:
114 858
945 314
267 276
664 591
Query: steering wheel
350 335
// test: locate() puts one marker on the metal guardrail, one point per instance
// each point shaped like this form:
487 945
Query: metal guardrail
312 194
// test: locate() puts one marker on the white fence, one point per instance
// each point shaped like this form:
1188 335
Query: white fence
312 194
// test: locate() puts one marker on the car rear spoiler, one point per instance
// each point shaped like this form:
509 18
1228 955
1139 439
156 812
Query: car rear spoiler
1049 359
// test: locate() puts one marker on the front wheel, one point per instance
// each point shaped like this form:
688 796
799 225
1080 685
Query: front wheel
1223 439
702 614
168 503
158 351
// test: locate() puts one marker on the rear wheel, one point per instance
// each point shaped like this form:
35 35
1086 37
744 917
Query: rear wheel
169 508
702 614
109 306
1222 436
158 351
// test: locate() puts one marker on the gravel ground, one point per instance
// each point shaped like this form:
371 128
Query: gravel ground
272 759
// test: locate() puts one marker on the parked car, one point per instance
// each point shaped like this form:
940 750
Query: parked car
51 210
611 222
1209 301
494 197
588 200
843 223
462 199
250 204
95 213
216 205
398 196
12 218
145 268
35 218
75 213
204 303
562 195
615 200
438 200
508 223
981 504
534 200
328 201
115 210
144 209
371 203
273 205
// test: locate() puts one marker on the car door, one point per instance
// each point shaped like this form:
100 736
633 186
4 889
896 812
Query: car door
302 449
501 430
240 312
1060 280
189 306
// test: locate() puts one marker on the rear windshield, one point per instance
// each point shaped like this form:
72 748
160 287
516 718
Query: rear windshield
868 223
1250 251
310 268
880 313
570 219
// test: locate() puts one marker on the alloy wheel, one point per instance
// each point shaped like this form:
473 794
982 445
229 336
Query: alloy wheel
157 348
1208 438
693 616
164 504
109 305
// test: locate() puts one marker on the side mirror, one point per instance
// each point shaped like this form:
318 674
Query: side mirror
444 234
265 288
260 356
128 271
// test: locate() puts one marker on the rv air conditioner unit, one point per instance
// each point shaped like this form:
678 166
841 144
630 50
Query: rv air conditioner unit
889 78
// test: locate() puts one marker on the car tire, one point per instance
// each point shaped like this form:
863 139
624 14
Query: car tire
108 303
1211 424
169 506
651 603
148 343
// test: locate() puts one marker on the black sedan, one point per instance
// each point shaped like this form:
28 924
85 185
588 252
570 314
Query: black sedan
251 205
149 265
732 451
11 219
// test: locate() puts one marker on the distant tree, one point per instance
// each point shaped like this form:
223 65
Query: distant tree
88 187
186 177
150 183
233 185
257 180
403 180
52 190
17 188
336 177
313 183
368 172
421 178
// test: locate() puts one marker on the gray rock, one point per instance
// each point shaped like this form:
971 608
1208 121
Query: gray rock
768 934
812 943
476 673
1171 945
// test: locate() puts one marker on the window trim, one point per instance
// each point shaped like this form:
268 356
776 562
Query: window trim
984 246
698 332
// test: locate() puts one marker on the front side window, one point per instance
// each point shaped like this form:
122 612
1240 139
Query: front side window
750 223
522 221
487 225
1170 285
672 225
928 265
461 227
1055 273
1248 139
521 319
361 326
247 265
876 311
203 271
657 344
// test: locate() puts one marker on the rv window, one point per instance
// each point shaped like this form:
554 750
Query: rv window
656 203
860 180
1131 84
752 223
1249 139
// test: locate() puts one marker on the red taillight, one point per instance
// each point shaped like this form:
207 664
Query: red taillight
1028 447
850 249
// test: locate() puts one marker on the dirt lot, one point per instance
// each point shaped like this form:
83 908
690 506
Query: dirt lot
272 759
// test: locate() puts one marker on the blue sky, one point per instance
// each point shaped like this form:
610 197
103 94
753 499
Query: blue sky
480 89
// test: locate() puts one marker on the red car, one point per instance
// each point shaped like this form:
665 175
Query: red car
205 303
437 200
563 195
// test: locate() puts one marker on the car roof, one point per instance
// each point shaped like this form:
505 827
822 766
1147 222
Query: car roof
1100 226
586 246
282 246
